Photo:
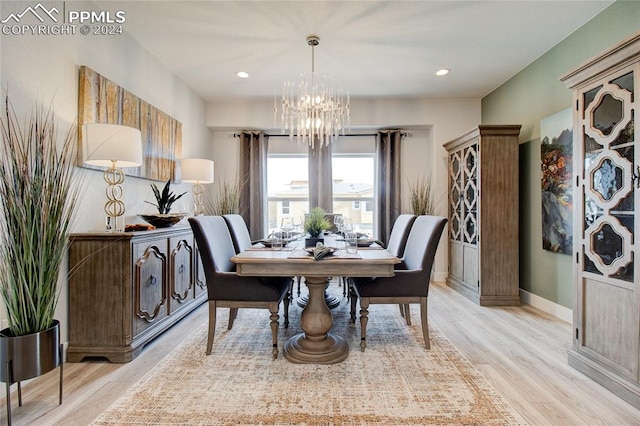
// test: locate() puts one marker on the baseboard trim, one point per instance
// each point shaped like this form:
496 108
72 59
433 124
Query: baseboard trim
440 277
552 308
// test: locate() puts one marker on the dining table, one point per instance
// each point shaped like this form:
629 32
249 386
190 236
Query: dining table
316 344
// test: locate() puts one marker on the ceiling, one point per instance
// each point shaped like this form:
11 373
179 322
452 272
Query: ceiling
374 48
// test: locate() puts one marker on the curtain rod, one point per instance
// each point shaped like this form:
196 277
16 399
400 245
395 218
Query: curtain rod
405 134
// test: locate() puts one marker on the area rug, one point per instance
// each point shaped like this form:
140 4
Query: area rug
395 381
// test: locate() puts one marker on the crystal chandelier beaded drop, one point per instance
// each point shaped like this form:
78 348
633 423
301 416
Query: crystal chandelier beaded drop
315 109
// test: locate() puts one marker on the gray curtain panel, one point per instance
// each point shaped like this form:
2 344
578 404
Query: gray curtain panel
388 175
253 181
320 177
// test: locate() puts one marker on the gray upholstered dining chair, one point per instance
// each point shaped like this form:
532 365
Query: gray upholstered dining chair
410 285
395 246
225 288
399 234
239 232
242 241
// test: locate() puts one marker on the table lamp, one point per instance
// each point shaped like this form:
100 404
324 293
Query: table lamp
112 146
198 171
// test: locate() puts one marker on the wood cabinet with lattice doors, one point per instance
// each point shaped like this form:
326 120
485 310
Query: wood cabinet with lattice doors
607 199
483 214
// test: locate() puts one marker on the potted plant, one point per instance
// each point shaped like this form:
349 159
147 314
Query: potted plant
39 193
422 197
164 202
315 224
226 199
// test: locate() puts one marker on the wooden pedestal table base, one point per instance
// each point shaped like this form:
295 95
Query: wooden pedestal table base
316 345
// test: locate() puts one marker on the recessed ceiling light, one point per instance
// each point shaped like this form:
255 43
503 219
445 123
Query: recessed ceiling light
242 74
442 72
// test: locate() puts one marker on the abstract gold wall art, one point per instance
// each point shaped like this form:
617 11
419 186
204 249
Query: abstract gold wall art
102 101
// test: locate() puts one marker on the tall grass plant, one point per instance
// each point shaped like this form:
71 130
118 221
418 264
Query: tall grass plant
39 193
226 199
422 196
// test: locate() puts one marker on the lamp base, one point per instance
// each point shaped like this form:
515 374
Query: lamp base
114 223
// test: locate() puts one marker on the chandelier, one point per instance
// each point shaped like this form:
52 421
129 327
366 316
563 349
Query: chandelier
315 109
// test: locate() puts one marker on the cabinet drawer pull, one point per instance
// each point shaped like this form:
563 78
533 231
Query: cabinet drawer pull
181 268
153 280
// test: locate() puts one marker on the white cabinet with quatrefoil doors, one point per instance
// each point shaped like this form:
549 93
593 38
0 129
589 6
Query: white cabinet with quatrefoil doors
607 200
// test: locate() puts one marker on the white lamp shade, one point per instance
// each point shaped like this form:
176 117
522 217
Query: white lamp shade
104 143
197 170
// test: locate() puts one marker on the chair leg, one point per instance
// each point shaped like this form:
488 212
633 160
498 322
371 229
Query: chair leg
364 312
212 325
425 322
286 311
401 306
354 301
273 308
407 313
233 313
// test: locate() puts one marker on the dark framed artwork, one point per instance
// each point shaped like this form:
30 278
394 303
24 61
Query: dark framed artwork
556 154
102 101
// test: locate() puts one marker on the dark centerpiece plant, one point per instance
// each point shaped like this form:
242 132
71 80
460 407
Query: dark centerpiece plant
164 202
39 192
164 199
315 224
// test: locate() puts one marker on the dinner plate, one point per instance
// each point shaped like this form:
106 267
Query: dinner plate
267 242
365 242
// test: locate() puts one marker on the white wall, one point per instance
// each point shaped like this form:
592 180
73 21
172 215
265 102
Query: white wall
431 123
45 68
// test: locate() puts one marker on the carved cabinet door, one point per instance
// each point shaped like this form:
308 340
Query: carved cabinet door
181 271
606 248
149 284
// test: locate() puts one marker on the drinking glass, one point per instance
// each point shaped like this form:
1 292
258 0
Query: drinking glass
352 242
277 240
347 224
287 226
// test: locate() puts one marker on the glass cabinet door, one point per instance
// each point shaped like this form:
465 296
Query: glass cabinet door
470 228
455 197
608 146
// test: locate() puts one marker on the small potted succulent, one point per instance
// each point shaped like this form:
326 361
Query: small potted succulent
315 224
164 202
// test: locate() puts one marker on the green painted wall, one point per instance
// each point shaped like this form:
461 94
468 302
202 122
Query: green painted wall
529 96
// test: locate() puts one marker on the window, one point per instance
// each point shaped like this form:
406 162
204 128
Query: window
353 181
287 188
353 167
287 181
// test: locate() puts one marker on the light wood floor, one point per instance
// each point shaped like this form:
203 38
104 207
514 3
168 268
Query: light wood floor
520 350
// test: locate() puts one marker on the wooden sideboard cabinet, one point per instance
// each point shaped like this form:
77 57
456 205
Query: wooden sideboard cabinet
127 288
483 215
606 218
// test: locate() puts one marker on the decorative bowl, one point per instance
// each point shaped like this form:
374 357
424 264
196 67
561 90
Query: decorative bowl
163 220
